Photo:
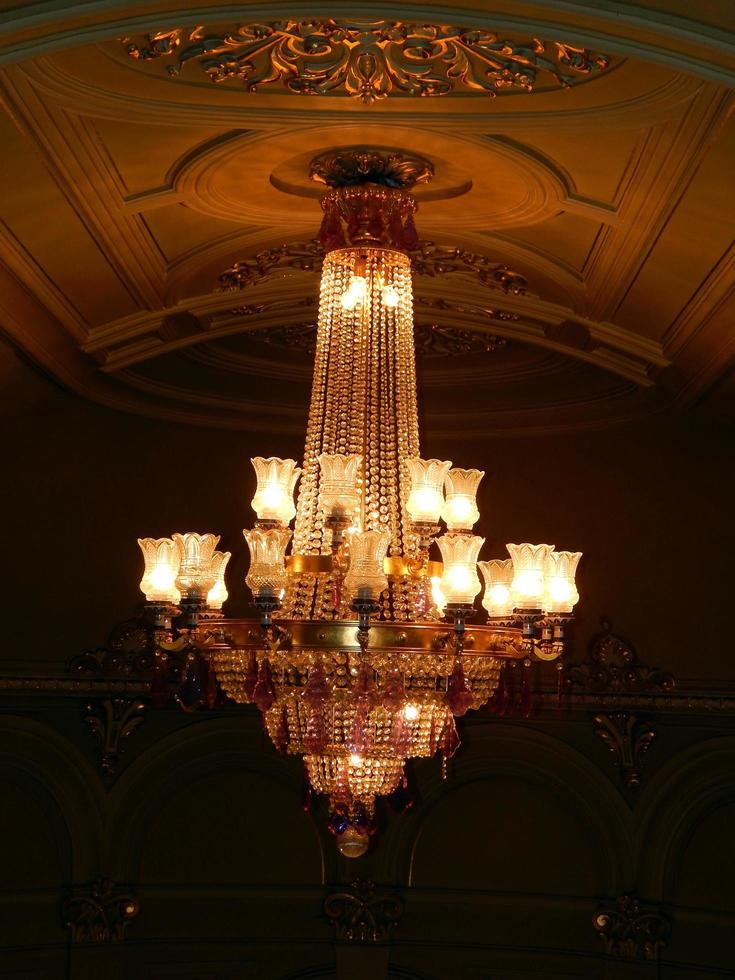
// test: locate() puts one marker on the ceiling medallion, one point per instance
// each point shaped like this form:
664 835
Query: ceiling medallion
361 658
370 60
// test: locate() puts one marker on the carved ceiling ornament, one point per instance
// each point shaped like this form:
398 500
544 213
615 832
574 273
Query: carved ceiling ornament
427 259
370 60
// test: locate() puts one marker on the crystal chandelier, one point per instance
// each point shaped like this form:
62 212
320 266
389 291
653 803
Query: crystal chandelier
361 658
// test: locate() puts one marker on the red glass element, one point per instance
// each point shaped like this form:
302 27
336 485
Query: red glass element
400 735
317 690
315 739
449 739
159 682
190 691
394 693
410 235
265 693
459 696
282 737
211 689
251 677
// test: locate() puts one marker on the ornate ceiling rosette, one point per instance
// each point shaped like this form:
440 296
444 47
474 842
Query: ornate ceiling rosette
370 60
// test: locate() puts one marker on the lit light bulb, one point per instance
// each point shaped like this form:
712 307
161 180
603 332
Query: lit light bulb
355 293
355 759
410 712
437 596
390 296
528 586
498 575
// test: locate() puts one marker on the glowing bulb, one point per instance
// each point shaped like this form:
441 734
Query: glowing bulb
355 759
390 296
410 712
437 596
499 594
459 579
355 293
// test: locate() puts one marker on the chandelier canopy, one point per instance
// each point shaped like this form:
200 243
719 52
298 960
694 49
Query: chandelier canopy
361 658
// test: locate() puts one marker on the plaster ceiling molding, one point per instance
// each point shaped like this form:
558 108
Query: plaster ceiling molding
262 178
107 84
368 60
659 34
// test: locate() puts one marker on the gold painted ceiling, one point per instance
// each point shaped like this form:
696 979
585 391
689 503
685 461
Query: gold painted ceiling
591 154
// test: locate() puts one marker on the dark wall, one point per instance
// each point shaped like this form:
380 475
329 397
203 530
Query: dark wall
648 504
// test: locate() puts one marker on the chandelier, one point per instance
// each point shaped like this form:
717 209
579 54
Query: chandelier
362 656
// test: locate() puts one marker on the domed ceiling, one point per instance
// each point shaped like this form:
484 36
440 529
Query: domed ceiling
576 259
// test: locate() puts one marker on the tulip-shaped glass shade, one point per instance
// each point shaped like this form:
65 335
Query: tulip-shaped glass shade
426 498
460 582
339 497
460 507
498 576
366 574
273 500
267 573
162 558
196 576
218 593
561 591
528 586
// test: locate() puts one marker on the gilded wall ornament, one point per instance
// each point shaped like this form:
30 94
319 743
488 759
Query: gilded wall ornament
99 913
427 259
628 737
112 722
613 667
359 913
631 930
370 60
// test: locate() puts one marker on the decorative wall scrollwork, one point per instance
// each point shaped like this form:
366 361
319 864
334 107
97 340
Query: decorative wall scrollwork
99 913
362 914
428 259
631 930
112 721
628 737
370 60
613 667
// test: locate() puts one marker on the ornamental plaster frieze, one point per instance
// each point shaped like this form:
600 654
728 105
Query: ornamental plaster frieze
654 97
627 29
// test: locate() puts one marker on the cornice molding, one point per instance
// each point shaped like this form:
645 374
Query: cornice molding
622 28
661 102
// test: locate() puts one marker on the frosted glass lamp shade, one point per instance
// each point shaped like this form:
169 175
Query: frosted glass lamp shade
218 593
460 511
529 578
267 573
162 557
460 582
561 590
366 574
339 496
196 576
426 497
273 500
498 575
